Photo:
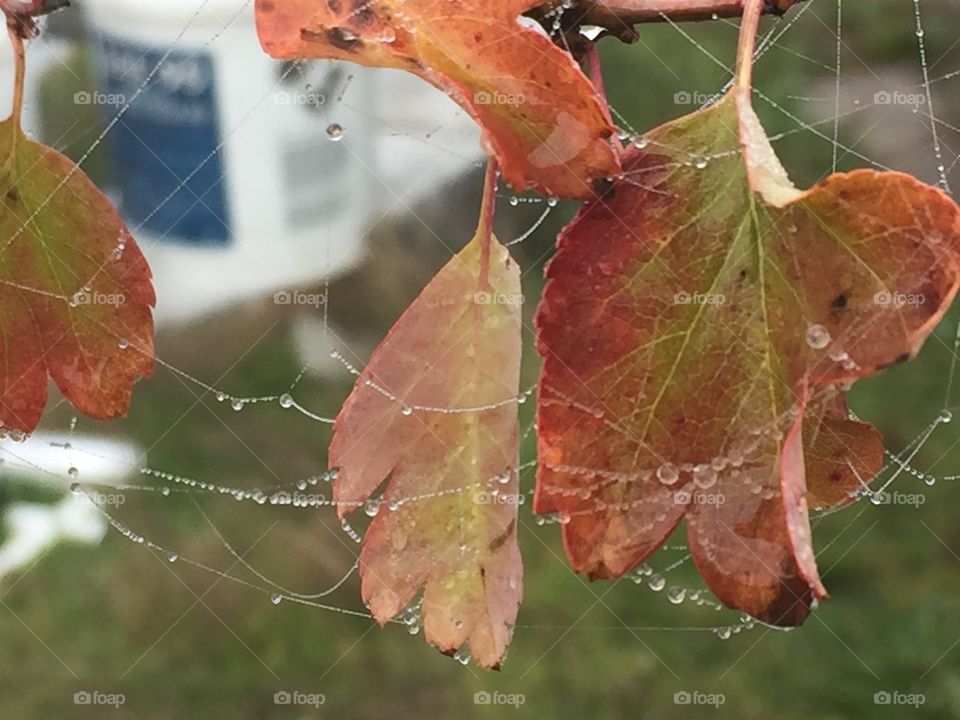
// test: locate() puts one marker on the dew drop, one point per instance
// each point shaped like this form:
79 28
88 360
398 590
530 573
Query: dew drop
72 471
123 344
276 598
640 143
704 476
286 400
173 557
371 507
237 404
668 473
335 132
700 162
676 594
406 410
221 396
656 582
413 628
818 337
945 416
724 633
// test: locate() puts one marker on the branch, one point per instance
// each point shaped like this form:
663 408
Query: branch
618 17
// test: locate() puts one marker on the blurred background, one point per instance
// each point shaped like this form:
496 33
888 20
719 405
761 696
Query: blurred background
293 209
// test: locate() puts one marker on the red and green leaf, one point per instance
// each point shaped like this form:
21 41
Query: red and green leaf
432 418
541 117
75 292
688 318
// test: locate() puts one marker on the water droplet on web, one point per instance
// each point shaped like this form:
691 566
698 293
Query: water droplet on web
221 396
413 628
75 487
514 201
668 473
640 143
656 582
462 656
818 337
371 507
503 478
165 491
552 202
723 633
301 485
676 594
123 344
704 476
237 404
286 400
406 410
335 132
72 471
173 557
930 480
945 416
276 598
393 505
700 162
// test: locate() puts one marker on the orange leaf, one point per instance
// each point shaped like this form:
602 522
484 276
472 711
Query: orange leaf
447 520
75 291
540 114
689 316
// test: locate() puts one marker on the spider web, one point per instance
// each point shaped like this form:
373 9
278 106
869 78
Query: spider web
824 123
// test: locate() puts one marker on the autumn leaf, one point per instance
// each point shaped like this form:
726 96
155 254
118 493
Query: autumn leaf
433 416
541 117
75 291
841 454
689 319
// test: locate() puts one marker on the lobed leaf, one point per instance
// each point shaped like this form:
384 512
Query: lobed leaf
75 291
541 116
447 519
689 318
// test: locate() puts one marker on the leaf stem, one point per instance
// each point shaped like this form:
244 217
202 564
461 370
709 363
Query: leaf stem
485 224
19 59
752 11
595 73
